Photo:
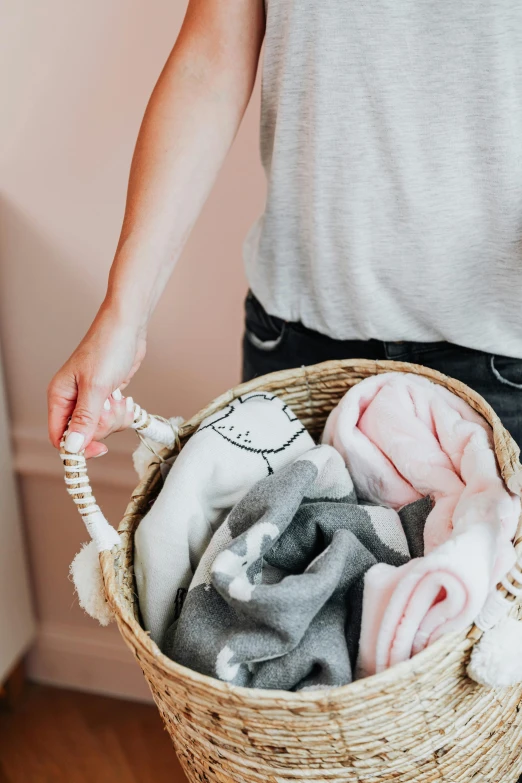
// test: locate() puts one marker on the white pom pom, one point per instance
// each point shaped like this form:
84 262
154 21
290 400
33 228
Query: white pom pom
141 459
496 659
143 456
87 577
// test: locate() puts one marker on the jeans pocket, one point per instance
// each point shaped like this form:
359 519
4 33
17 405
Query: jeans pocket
506 370
263 331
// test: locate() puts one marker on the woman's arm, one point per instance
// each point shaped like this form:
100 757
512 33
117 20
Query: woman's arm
189 125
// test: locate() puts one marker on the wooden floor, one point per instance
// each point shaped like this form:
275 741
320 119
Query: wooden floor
59 736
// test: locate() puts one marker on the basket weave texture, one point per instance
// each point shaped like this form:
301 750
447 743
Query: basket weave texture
423 720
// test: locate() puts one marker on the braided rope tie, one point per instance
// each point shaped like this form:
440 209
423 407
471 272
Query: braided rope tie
154 428
78 485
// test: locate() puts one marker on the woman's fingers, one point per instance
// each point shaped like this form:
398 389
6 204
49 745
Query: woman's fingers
95 449
61 398
117 415
86 416
92 377
94 416
59 412
129 412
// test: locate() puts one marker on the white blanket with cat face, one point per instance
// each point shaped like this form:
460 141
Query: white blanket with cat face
251 438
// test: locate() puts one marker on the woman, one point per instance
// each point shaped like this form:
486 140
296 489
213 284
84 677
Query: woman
391 138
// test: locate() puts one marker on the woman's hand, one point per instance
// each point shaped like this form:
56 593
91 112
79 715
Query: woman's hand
104 362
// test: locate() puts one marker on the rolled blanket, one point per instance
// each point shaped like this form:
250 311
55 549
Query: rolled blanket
277 599
232 449
403 437
405 609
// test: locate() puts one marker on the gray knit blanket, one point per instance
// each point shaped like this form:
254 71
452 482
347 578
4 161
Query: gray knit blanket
276 601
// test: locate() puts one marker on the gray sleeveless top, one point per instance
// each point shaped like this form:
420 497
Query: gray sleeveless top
391 136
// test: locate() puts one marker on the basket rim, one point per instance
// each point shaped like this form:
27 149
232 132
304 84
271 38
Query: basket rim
414 666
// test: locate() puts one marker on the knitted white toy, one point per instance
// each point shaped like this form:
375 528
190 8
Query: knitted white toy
155 433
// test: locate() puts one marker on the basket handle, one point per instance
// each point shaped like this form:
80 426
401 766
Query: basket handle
104 535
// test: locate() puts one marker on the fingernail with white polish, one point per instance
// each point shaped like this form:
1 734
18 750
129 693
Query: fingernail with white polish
74 442
117 395
129 403
101 454
107 405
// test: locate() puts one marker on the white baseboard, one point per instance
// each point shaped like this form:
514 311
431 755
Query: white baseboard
86 659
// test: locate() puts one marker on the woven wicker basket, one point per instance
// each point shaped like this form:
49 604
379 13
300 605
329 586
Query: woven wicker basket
422 720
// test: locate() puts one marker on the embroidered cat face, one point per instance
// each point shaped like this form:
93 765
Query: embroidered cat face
255 427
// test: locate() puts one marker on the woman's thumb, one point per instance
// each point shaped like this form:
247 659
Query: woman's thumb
85 418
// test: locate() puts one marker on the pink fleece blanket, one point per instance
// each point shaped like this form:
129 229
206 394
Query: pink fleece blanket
402 438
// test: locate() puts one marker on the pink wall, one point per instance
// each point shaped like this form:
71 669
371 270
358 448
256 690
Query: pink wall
75 79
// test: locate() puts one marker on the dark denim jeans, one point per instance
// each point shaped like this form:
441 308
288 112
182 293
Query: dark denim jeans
271 344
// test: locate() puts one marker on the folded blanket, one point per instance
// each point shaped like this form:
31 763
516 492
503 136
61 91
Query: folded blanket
405 609
276 601
252 437
403 437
